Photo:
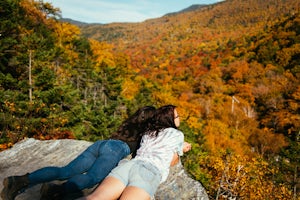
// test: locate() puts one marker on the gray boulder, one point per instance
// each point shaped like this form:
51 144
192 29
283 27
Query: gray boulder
30 154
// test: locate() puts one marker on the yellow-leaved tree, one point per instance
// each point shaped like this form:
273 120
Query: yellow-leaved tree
103 54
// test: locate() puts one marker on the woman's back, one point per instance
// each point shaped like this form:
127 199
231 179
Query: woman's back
159 150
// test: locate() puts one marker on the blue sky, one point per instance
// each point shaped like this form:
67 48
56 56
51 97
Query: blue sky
108 11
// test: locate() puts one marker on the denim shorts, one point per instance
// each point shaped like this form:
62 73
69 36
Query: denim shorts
139 174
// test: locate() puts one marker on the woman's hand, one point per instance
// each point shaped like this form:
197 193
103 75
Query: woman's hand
186 147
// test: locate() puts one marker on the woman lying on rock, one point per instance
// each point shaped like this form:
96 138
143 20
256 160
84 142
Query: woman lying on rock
90 167
139 178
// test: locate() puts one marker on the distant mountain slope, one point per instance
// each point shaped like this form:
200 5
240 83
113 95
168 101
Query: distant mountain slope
77 23
188 9
71 21
235 16
112 31
155 42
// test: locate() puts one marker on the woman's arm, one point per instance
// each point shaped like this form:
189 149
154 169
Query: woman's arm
186 147
175 159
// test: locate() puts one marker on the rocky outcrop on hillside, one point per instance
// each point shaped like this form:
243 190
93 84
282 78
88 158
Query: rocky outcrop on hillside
30 154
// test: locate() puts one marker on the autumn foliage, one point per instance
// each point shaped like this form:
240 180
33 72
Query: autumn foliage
232 68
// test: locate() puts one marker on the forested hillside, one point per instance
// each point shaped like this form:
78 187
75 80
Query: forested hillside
232 69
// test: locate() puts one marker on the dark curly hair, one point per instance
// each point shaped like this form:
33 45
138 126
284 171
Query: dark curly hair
138 122
133 128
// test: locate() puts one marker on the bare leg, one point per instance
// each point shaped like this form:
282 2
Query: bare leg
110 189
133 193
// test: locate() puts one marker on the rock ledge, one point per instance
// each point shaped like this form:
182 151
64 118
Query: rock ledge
30 154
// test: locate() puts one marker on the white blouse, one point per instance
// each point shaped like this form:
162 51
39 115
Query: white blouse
159 150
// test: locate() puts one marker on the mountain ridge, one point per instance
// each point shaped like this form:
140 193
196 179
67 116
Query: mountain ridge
188 9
